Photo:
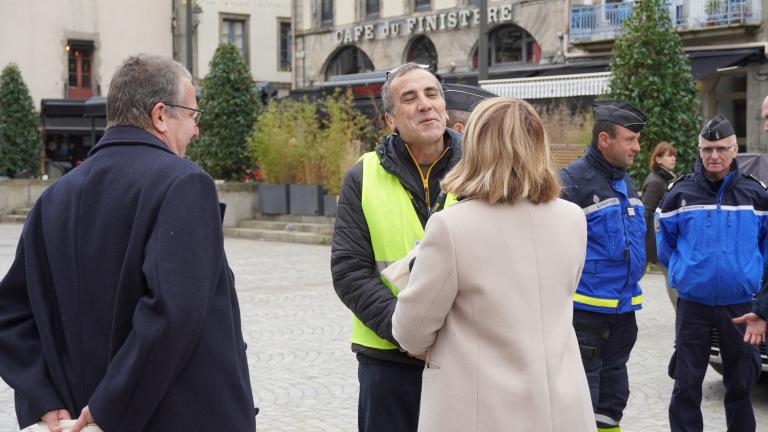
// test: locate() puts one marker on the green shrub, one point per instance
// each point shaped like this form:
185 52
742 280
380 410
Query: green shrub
20 142
304 142
651 71
230 103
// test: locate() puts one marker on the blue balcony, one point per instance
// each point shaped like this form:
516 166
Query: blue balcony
604 21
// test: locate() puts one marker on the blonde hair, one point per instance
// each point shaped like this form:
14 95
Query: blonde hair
505 157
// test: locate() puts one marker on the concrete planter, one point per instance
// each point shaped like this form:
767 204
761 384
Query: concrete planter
273 199
240 198
306 200
329 204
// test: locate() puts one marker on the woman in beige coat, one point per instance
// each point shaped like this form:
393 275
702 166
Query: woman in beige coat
489 298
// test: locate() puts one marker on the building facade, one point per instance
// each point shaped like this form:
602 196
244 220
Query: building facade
67 52
351 36
75 46
71 48
541 49
261 29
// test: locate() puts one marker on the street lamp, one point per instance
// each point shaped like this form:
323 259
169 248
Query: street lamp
482 55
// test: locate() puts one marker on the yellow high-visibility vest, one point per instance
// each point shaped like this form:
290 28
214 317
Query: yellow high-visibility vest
394 227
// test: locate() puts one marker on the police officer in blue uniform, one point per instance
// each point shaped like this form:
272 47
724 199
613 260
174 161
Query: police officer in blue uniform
712 235
608 293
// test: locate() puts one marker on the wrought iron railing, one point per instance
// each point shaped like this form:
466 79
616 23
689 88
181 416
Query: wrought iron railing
604 21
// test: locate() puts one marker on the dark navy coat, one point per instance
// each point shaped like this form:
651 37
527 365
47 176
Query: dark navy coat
615 259
121 298
714 241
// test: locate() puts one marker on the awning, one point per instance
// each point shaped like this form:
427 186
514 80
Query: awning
589 84
704 63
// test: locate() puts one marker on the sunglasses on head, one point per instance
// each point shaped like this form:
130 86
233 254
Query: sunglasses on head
394 71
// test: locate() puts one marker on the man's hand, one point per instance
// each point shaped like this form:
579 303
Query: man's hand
52 418
84 420
755 332
422 356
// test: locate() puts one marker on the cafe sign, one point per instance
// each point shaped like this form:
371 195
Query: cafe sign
444 21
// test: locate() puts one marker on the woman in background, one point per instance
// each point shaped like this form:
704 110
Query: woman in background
662 165
490 295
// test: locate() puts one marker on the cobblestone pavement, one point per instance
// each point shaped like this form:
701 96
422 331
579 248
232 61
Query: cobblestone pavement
304 376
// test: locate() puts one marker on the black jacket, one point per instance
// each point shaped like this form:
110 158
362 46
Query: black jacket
353 265
120 297
654 187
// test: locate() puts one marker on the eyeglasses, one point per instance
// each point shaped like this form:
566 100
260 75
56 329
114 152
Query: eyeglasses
717 149
394 71
196 115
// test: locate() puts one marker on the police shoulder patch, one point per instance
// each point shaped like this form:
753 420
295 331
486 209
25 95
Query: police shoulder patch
677 180
750 176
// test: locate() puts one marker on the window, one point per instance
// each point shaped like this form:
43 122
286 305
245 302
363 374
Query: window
422 51
510 44
234 30
80 75
348 60
326 13
372 9
422 5
284 48
730 95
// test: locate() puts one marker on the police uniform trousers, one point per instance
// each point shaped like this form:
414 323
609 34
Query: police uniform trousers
606 341
741 365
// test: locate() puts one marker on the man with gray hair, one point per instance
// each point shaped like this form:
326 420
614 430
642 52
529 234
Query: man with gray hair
712 236
384 204
120 306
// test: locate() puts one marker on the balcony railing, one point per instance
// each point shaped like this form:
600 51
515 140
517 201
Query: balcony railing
603 21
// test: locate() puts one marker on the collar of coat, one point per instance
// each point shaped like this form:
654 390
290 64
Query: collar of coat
127 135
395 158
701 179
664 174
596 159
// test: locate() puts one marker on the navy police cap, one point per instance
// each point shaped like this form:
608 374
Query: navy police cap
464 97
619 112
717 128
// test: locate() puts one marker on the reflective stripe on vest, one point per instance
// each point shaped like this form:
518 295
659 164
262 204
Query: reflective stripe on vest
394 227
605 303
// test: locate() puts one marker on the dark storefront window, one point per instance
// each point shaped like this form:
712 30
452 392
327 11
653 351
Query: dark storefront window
422 51
510 44
348 60
731 101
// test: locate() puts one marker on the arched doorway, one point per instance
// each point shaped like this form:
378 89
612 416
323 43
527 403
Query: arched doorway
421 50
348 60
510 44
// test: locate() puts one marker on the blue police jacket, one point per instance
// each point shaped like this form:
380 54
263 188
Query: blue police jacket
615 234
713 239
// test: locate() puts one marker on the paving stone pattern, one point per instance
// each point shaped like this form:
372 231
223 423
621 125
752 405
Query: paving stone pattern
304 376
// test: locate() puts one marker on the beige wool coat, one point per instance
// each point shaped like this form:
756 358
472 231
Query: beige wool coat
490 300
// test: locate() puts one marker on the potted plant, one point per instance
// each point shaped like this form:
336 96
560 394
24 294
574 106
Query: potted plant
308 146
276 146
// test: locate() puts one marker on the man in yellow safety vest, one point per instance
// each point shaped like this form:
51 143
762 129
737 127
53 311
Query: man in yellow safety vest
384 204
